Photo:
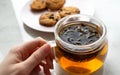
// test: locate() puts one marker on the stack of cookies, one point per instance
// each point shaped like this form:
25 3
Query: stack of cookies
57 11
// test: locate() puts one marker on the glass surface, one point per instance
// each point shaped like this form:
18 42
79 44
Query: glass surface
72 59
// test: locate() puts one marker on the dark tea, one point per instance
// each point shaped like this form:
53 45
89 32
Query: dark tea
84 33
81 47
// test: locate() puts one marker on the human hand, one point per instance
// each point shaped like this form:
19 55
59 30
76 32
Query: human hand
26 59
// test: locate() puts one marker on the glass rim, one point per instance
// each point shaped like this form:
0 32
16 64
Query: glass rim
81 47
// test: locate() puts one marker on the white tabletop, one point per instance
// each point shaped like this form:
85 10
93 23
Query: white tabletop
8 28
106 10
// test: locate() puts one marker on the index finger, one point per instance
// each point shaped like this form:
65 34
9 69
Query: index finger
25 49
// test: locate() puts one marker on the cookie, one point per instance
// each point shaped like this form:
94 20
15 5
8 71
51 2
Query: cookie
38 5
68 11
55 4
49 19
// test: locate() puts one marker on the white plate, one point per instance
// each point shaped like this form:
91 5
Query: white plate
31 19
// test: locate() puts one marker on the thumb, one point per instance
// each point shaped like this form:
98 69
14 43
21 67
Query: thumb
37 57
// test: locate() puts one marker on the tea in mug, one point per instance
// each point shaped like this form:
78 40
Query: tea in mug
83 61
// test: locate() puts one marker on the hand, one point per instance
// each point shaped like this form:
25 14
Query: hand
26 59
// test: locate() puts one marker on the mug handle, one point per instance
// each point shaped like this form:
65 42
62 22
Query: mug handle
52 43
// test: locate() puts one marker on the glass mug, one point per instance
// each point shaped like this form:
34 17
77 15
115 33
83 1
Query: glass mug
79 57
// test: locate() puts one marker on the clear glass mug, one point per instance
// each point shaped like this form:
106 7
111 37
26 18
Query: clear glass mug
79 59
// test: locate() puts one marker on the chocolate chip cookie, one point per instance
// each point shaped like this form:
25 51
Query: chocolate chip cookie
49 18
38 5
65 11
55 4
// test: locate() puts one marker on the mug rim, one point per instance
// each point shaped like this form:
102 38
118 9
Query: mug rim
82 48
